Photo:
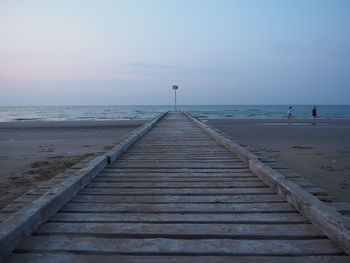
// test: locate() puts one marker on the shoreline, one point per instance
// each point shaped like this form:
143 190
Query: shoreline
264 121
70 124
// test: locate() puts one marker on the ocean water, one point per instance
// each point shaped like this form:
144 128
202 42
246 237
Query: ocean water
73 113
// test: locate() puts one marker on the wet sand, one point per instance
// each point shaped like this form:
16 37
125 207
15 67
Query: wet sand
32 152
320 152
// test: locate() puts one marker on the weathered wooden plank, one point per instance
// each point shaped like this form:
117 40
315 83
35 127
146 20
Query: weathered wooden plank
36 191
174 159
188 161
185 230
25 198
60 257
176 184
13 207
4 216
187 139
179 199
169 152
179 191
176 170
171 156
245 218
161 175
169 148
183 149
178 207
155 165
179 246
188 179
190 144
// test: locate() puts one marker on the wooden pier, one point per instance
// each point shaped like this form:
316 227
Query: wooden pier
177 195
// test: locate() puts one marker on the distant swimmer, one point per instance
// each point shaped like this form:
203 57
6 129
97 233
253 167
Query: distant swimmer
314 112
289 112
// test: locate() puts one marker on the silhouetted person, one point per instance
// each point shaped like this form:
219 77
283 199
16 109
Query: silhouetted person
289 112
314 112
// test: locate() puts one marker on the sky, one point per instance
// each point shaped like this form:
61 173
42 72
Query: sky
131 52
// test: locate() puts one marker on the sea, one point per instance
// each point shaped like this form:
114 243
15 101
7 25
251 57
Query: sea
114 112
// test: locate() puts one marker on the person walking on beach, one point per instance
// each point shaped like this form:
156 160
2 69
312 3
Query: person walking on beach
314 112
289 112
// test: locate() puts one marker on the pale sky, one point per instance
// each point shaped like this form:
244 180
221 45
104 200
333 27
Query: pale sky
86 52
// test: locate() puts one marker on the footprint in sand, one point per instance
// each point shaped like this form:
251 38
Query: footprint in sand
47 150
328 168
343 185
302 147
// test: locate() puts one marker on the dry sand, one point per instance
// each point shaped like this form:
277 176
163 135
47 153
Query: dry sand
320 152
32 152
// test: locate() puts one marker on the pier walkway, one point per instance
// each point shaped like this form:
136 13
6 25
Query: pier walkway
177 195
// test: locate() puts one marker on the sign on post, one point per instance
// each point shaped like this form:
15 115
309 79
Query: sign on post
175 87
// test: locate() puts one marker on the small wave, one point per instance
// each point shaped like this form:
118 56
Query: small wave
85 118
27 119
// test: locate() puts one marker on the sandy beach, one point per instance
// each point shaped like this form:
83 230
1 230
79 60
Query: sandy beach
32 152
320 152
